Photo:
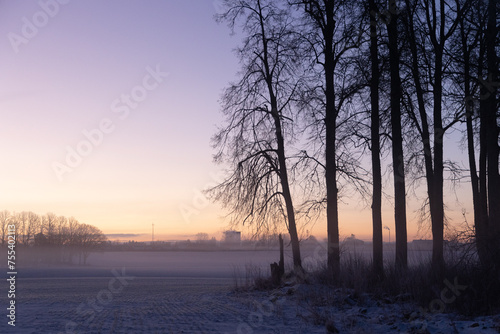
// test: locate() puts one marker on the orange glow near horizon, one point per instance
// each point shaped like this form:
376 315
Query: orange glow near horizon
208 220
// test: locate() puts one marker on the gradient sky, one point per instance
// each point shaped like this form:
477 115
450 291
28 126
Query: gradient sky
69 75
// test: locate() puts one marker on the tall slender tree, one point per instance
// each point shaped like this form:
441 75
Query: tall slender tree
378 259
478 65
429 27
488 193
260 119
471 26
329 45
492 130
397 139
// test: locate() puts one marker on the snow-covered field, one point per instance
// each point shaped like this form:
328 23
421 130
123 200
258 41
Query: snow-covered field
191 292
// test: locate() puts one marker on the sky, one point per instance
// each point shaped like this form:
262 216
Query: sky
107 109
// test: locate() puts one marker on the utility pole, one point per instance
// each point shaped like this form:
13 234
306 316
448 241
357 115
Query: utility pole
153 235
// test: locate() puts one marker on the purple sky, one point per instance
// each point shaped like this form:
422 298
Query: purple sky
72 67
62 79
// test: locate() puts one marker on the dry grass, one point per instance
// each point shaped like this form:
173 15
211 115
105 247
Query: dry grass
478 291
251 277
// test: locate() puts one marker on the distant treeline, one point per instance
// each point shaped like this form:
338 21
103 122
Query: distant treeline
52 238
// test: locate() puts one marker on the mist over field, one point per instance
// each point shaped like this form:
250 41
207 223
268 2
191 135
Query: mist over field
195 264
207 263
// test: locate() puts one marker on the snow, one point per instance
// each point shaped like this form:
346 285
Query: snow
192 292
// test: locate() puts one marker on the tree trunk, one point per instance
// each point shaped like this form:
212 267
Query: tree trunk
378 259
397 142
491 136
482 226
283 172
332 217
282 257
469 112
292 227
437 209
424 133
437 206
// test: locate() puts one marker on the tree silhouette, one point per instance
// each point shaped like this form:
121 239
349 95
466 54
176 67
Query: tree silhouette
259 120
378 260
329 45
397 139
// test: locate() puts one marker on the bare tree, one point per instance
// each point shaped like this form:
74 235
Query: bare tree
21 220
48 227
329 45
23 225
62 230
72 237
88 239
259 119
397 139
489 118
4 219
479 71
33 226
429 26
378 260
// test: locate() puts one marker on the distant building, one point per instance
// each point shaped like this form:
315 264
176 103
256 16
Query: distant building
233 237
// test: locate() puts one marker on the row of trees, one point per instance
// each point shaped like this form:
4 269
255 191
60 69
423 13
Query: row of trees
324 82
63 238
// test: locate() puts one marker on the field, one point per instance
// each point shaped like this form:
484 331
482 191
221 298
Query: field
192 292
